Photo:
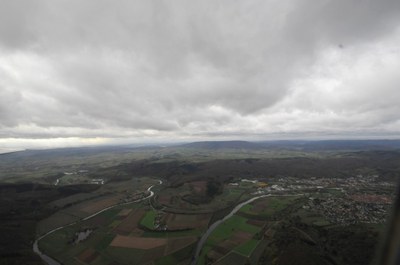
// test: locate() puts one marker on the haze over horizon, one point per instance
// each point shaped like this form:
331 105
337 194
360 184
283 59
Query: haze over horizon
76 73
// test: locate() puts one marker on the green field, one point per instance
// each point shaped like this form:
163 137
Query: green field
239 223
225 231
271 205
247 208
148 220
125 255
176 257
227 228
104 242
247 248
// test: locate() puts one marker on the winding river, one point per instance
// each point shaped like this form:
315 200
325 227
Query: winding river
203 239
49 260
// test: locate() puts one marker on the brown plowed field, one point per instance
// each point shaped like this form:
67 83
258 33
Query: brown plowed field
199 186
152 254
95 206
130 222
125 212
258 208
214 255
88 255
222 249
98 220
240 237
136 232
164 199
226 246
138 242
176 244
255 222
184 221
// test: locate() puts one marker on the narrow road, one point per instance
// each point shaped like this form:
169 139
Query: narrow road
51 261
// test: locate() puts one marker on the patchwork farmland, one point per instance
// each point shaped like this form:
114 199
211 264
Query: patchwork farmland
118 236
242 238
167 225
150 231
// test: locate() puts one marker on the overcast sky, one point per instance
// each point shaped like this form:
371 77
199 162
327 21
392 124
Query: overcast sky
94 72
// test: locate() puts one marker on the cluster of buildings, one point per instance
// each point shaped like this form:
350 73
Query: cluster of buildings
355 199
351 182
345 211
97 181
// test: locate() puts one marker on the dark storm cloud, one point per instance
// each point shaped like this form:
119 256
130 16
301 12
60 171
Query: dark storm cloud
161 68
344 22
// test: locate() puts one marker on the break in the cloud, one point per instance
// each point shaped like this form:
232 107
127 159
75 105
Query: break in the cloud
74 72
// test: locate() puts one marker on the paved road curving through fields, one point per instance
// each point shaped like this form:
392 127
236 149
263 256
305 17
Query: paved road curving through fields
50 260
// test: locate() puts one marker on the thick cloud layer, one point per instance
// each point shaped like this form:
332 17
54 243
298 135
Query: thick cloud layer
143 70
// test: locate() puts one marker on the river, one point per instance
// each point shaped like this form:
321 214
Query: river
50 260
214 225
203 239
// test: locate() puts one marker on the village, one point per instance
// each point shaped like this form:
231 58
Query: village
344 201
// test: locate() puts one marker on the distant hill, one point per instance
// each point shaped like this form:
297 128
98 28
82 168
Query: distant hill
320 145
304 145
223 145
334 145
